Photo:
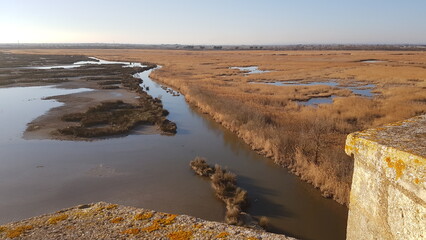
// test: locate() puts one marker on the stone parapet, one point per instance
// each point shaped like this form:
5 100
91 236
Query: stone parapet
388 194
111 221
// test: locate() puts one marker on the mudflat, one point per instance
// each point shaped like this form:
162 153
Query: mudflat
106 85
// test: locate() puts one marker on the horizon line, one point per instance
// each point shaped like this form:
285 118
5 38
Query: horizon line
212 44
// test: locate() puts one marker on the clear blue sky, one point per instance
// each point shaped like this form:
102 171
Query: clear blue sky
213 21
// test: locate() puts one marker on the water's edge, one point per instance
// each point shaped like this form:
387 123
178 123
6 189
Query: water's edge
151 171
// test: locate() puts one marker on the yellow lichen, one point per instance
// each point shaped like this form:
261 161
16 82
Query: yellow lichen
198 226
167 221
222 235
158 223
56 219
180 235
117 220
417 181
143 216
131 231
154 226
98 209
252 238
111 206
418 162
82 214
398 165
18 231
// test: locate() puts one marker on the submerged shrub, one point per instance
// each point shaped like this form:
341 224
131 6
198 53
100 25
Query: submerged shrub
201 168
224 184
264 222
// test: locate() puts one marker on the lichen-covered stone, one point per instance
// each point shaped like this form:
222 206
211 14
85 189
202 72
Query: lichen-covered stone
110 221
388 194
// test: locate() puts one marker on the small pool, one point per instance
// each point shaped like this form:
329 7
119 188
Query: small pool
372 61
317 100
250 70
356 88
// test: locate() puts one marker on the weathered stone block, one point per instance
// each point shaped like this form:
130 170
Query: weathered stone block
388 194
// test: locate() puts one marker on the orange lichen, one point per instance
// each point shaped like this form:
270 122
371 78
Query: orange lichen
111 206
154 226
417 181
398 165
222 235
180 235
99 209
171 218
2 229
252 238
117 220
56 219
82 214
18 231
417 161
131 231
348 148
167 221
198 226
158 223
143 216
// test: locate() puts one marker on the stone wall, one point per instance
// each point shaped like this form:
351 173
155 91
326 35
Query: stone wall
388 195
111 221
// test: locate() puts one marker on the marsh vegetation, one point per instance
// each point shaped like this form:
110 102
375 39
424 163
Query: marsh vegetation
141 158
115 118
307 140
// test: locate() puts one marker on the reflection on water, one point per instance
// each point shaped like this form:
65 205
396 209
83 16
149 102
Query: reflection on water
152 171
317 100
372 61
294 83
82 63
356 88
20 105
250 70
362 90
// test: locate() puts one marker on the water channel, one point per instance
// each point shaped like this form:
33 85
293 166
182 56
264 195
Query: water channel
149 171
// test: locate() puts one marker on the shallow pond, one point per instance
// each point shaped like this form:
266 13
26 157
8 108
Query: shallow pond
356 88
151 171
372 61
317 100
250 70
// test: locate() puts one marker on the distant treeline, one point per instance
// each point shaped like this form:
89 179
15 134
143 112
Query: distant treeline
386 47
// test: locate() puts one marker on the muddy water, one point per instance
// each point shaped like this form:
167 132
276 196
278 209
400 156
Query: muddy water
151 171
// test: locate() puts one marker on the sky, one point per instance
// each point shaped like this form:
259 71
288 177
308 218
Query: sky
232 22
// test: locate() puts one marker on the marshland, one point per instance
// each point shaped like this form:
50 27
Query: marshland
212 119
288 156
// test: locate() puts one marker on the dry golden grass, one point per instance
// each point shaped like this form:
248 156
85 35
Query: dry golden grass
307 140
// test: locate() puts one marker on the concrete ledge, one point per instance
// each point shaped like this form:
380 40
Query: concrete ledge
388 194
110 221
